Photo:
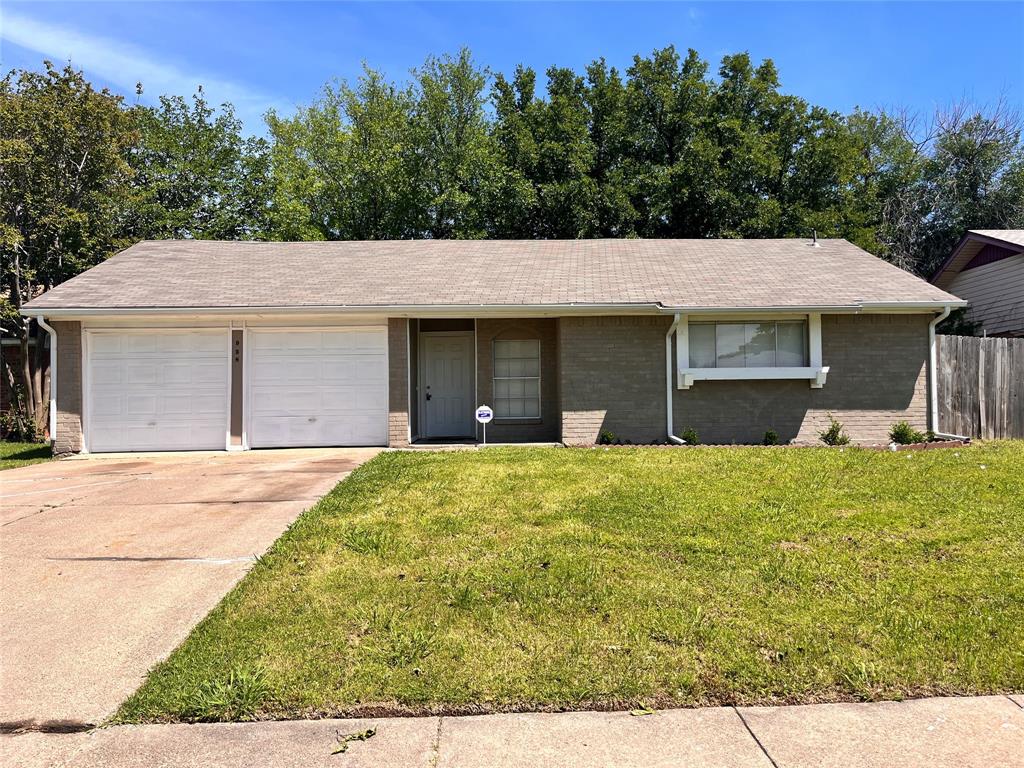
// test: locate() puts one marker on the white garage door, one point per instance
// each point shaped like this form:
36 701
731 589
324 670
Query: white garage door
317 387
157 390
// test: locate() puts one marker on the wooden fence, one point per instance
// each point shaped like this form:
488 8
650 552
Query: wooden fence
981 386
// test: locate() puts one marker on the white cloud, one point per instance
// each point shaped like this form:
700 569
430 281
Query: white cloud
123 65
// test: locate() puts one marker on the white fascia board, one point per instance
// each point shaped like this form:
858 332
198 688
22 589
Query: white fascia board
412 311
916 307
480 310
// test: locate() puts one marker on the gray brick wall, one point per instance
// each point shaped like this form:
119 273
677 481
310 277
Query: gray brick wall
69 387
398 382
613 377
547 427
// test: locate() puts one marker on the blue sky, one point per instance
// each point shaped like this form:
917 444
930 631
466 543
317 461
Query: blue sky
263 55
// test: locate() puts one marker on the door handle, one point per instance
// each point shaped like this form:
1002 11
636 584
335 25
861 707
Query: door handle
428 395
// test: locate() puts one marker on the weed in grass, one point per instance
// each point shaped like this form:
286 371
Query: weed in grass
345 739
369 540
405 646
459 592
238 696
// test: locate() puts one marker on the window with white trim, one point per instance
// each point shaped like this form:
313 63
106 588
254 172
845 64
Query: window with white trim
773 344
517 379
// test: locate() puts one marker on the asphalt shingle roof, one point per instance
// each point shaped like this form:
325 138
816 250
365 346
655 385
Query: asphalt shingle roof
673 273
1013 236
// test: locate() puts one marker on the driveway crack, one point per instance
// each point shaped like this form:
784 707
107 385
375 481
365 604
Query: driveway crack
435 747
754 737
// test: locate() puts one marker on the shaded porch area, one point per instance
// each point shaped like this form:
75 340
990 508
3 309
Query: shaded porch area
456 364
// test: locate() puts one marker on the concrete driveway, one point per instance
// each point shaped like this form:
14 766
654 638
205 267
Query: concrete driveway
107 563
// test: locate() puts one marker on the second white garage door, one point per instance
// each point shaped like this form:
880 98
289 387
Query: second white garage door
317 387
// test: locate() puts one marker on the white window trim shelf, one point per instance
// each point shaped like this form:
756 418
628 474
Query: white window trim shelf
686 376
815 373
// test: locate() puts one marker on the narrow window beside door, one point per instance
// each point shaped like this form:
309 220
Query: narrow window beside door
517 379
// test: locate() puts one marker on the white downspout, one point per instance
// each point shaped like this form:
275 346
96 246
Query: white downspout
933 377
53 376
669 428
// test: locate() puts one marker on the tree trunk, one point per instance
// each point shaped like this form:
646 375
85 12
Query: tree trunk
26 370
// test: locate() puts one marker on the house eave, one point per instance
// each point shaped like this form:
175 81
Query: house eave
478 310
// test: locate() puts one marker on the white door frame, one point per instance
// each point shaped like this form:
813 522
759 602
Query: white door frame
421 398
88 333
247 368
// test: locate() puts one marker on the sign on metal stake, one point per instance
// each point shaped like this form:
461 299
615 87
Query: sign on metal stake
484 414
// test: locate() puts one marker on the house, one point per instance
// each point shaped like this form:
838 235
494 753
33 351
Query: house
238 345
987 269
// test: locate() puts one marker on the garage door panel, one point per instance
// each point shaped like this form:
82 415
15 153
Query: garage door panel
139 343
107 405
141 374
372 369
140 406
181 405
105 373
105 345
210 374
326 387
158 390
172 373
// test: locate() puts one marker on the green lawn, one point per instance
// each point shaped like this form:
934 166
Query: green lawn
19 454
546 578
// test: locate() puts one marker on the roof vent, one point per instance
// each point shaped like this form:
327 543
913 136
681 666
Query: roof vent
814 239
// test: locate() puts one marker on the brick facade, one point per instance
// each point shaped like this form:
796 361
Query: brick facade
613 378
608 373
69 387
398 382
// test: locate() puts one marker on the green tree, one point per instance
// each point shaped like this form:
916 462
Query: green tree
974 179
566 189
515 208
673 160
345 167
196 176
605 98
64 179
458 170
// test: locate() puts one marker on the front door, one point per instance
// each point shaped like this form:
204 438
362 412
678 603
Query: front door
446 393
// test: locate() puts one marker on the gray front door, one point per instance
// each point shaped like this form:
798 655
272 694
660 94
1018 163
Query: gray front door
447 385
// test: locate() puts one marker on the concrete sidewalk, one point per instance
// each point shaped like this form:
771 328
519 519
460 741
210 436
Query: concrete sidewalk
961 732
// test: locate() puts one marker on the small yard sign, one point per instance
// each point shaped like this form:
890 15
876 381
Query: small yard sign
484 414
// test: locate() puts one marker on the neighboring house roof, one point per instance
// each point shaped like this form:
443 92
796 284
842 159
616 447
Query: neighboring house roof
673 274
976 248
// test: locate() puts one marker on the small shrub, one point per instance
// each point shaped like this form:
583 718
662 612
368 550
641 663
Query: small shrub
606 437
689 436
835 434
237 697
771 437
904 434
